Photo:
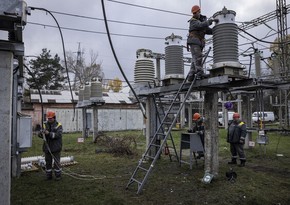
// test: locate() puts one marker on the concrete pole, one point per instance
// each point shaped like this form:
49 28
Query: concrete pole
239 104
182 112
246 115
6 69
258 64
84 111
14 147
211 164
96 127
225 112
190 116
158 69
150 123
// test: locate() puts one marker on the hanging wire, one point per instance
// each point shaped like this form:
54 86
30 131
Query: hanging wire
117 61
64 53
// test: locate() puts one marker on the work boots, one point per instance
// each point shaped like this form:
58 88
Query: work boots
200 74
234 161
243 163
57 174
48 175
191 76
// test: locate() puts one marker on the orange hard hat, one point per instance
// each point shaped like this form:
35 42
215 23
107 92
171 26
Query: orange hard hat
195 9
196 116
50 114
236 115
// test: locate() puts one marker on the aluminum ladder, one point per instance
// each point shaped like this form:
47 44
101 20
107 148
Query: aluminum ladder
144 167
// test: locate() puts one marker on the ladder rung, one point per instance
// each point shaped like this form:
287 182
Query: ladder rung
161 134
142 168
148 157
155 145
167 123
135 180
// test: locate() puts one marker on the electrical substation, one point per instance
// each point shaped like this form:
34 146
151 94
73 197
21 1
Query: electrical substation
165 99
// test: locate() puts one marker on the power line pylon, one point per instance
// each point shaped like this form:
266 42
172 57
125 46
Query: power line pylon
281 11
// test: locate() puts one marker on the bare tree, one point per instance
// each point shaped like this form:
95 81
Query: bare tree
81 71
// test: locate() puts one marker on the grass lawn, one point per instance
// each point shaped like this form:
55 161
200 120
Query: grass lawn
101 177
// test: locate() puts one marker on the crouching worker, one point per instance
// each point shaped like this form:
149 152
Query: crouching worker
237 132
198 127
52 145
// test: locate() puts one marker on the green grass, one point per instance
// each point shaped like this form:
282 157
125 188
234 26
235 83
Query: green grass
264 180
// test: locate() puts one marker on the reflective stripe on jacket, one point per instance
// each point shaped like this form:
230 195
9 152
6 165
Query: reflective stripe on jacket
54 138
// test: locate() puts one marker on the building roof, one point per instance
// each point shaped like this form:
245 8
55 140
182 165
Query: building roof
56 96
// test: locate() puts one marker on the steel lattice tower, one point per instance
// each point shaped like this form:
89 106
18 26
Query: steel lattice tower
282 36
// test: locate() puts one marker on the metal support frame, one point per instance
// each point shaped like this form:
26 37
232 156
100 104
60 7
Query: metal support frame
281 13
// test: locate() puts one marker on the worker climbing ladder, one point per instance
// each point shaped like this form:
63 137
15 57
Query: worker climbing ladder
163 132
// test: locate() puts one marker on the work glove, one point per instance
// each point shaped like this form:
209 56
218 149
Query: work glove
216 20
242 141
210 21
40 135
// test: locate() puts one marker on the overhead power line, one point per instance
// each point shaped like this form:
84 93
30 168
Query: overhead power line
95 32
145 7
114 21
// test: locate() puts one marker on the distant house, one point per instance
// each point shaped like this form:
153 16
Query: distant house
119 112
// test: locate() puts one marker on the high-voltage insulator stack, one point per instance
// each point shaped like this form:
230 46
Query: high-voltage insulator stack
174 67
96 91
225 44
91 93
144 72
87 93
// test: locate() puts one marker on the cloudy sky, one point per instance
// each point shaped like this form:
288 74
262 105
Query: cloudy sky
87 15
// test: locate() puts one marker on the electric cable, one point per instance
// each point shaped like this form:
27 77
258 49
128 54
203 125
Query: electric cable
261 39
145 7
42 120
76 175
96 32
115 21
117 61
64 53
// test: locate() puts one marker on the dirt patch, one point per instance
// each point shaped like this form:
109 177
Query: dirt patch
277 171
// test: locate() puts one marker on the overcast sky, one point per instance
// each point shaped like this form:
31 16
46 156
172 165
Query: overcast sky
37 37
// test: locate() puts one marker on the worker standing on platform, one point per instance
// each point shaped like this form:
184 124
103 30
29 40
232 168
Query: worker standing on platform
237 132
198 27
198 127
